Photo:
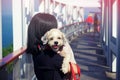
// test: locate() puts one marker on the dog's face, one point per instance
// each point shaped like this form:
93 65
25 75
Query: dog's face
54 38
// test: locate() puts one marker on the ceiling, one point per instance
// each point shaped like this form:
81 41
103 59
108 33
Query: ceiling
81 3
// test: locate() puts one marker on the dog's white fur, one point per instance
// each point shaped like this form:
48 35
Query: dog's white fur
56 39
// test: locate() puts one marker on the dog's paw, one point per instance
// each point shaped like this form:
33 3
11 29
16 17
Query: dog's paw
65 67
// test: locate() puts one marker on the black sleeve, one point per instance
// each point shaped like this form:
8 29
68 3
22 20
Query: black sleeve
57 61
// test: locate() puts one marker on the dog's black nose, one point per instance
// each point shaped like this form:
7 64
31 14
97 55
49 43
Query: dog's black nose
55 42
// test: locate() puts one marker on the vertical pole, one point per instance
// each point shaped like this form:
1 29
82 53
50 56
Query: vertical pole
110 61
17 24
118 33
0 30
46 4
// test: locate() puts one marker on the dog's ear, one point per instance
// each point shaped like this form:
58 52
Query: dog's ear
64 38
44 38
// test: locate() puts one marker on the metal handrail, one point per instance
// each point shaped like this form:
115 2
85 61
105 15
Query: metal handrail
6 60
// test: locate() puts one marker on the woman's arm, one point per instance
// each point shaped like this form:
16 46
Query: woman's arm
57 61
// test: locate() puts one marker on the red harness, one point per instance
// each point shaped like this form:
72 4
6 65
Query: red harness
43 47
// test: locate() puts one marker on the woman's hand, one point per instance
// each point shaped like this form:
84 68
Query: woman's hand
74 68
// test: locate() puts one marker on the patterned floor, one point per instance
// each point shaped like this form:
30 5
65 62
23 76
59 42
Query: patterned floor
89 55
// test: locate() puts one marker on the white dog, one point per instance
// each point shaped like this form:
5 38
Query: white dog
58 42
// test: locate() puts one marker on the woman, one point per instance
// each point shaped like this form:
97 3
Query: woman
95 23
47 64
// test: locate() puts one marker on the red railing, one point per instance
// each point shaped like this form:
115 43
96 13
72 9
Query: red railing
10 57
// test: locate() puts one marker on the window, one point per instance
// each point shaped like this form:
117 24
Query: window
7 28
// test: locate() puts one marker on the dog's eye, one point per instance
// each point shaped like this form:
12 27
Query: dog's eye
59 37
51 38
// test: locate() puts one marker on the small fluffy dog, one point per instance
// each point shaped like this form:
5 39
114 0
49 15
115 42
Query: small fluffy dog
58 43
